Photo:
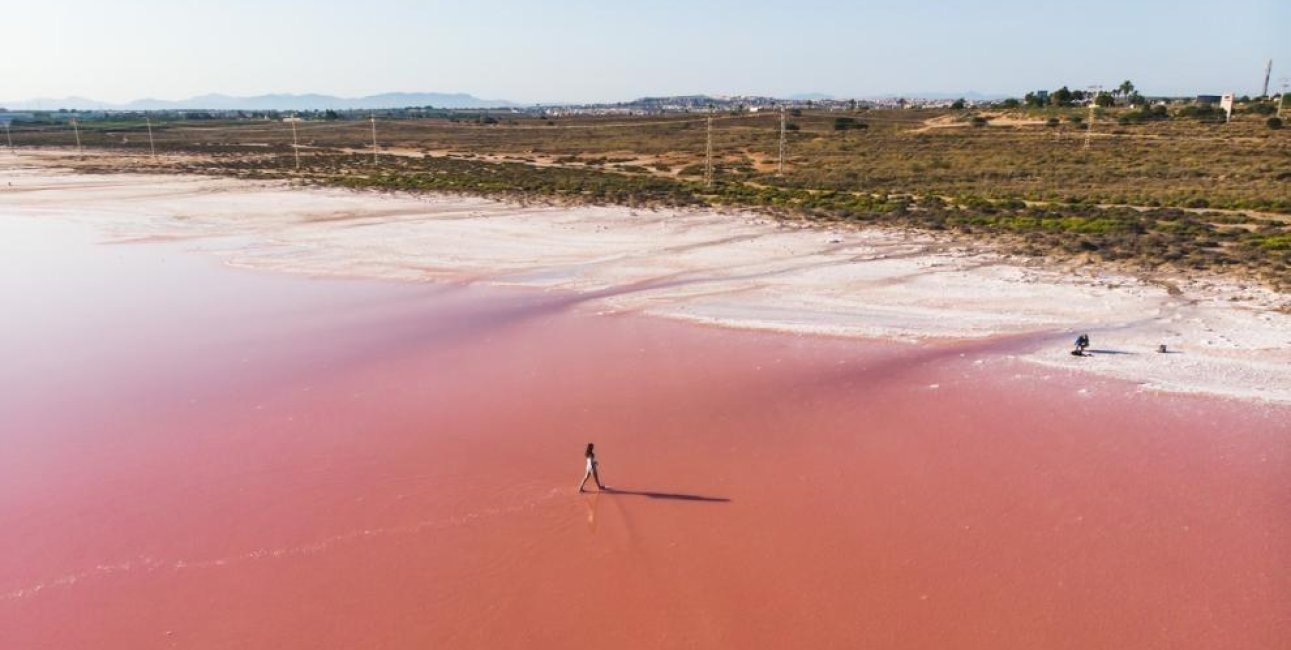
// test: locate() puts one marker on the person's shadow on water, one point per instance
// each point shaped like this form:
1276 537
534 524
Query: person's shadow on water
673 496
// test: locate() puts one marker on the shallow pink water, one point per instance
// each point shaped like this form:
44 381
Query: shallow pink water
201 457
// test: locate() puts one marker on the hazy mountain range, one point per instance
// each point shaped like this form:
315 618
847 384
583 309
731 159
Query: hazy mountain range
282 102
316 102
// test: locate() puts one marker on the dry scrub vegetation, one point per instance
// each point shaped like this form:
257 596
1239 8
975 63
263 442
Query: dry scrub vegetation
1178 194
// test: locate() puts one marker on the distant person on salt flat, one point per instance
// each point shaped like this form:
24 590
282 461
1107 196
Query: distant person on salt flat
1082 342
591 472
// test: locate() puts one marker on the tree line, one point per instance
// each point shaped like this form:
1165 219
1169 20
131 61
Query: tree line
1064 96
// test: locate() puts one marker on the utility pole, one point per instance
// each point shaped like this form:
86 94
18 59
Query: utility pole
708 152
782 124
1282 99
1268 70
295 145
77 130
9 136
1093 103
373 119
152 147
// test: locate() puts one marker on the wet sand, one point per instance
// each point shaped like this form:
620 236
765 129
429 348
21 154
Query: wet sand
199 457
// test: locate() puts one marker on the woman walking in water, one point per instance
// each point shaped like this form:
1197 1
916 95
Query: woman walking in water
590 455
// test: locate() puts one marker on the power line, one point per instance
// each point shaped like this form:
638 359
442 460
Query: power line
441 124
242 129
232 131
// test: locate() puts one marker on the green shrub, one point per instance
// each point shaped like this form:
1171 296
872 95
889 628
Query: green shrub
848 124
1202 112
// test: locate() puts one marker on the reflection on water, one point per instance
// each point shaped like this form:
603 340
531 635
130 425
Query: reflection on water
592 503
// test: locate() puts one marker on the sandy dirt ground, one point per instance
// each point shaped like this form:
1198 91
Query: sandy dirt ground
739 270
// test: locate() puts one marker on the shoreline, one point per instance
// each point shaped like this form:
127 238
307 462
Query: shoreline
725 268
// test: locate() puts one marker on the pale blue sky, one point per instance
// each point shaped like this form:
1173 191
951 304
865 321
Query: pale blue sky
579 50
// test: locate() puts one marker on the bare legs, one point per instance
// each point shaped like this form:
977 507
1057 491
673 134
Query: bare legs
591 473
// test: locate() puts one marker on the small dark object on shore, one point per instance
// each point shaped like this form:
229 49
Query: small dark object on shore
1082 342
1161 348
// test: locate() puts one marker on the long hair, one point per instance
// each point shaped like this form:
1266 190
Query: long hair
588 453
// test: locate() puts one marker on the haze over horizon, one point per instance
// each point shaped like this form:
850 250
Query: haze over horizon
602 52
379 101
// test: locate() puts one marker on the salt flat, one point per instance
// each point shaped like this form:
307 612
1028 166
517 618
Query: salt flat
739 270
